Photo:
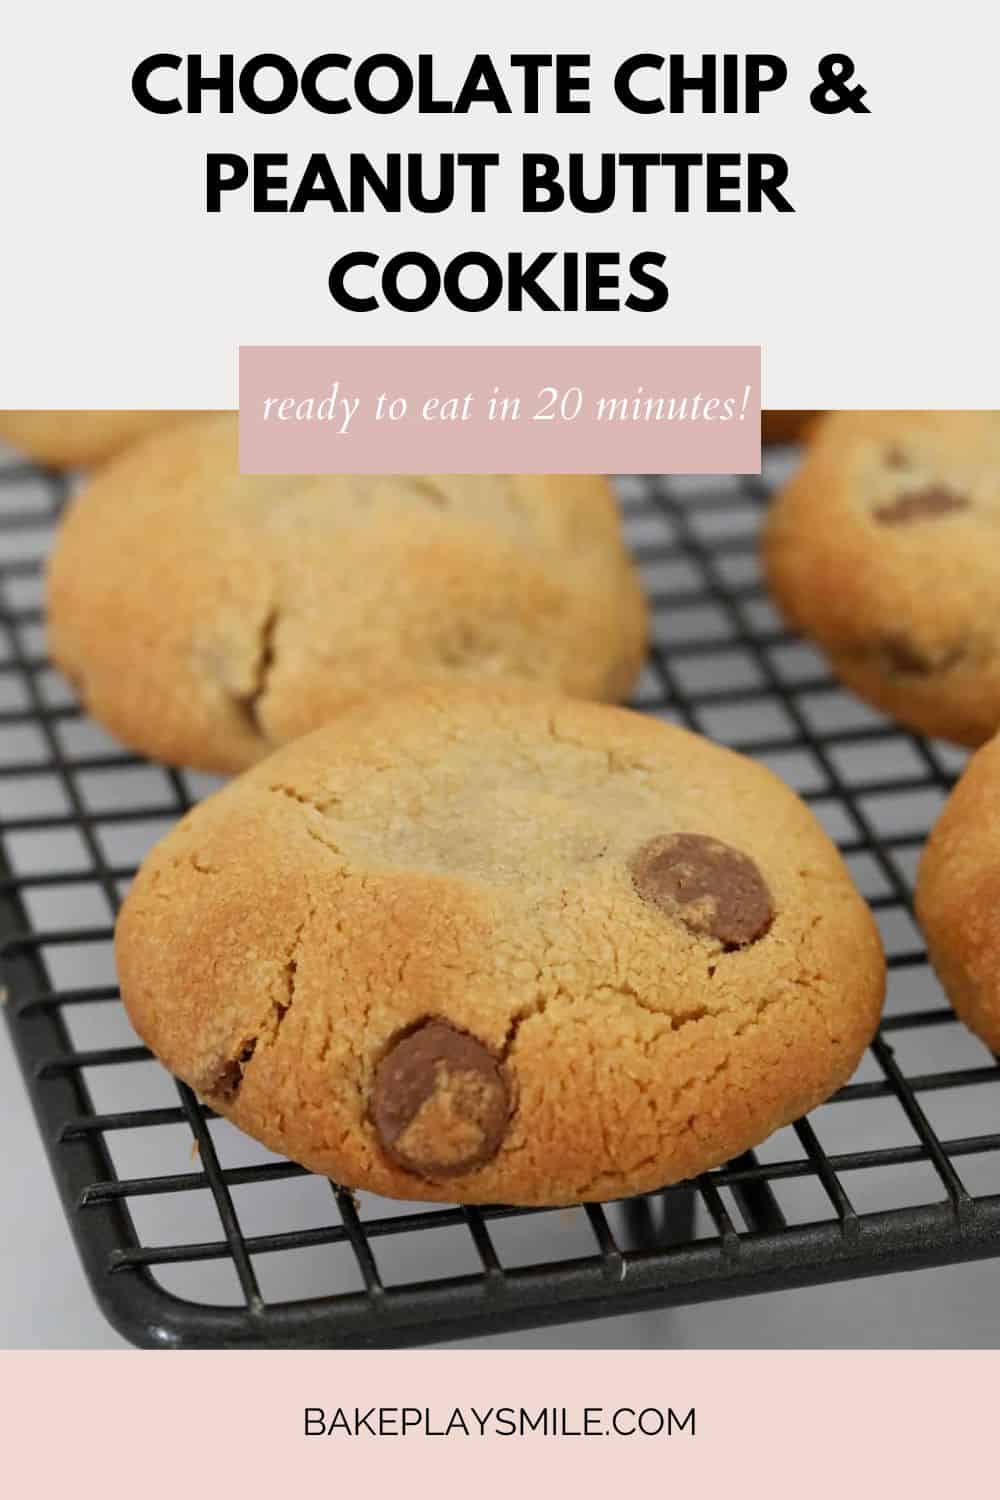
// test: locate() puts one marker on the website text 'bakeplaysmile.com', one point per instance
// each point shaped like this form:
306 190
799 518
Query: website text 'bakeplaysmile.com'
498 1421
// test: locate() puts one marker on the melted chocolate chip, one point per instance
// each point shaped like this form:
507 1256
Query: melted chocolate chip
441 1103
918 505
714 889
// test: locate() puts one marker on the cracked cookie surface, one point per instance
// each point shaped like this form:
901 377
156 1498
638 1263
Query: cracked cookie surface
77 439
207 617
885 549
958 895
479 943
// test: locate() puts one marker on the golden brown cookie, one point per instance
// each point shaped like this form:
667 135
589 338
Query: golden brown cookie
885 548
481 943
958 895
207 616
786 426
77 439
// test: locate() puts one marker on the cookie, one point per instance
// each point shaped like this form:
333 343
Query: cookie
481 943
785 426
884 549
958 895
77 439
208 616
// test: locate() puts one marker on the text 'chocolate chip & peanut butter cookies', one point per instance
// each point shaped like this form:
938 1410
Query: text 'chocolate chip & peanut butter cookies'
207 616
480 943
885 548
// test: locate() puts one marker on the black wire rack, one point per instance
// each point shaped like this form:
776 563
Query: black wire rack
192 1235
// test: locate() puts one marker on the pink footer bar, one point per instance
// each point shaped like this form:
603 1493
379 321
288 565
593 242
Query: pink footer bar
822 1424
510 409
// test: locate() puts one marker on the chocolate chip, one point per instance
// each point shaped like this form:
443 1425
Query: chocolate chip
441 1102
917 505
898 655
228 1079
226 1083
714 889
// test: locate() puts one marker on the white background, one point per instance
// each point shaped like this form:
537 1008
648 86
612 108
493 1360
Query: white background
118 290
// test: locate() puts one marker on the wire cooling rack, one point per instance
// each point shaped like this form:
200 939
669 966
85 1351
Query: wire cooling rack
193 1235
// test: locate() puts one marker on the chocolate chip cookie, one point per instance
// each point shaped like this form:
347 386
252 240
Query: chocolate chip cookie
77 439
958 895
885 548
207 616
479 943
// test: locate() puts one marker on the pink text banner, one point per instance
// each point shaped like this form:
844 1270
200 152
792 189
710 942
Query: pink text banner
513 409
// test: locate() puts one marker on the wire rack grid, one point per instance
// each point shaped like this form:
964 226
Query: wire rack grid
194 1236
